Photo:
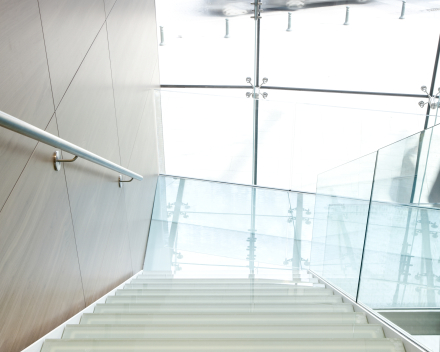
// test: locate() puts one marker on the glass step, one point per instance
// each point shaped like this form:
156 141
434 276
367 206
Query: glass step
231 308
230 345
248 319
223 332
224 299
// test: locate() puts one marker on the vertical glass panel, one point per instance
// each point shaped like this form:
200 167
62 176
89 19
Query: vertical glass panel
396 169
209 224
408 171
208 137
195 50
341 212
374 51
401 259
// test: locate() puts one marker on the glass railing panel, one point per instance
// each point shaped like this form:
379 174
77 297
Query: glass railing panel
401 259
338 236
396 170
341 213
407 171
202 223
401 262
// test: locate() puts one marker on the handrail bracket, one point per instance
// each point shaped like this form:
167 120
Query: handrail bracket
120 181
57 161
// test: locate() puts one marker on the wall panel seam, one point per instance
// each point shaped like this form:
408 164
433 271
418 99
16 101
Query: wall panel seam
113 87
149 226
73 226
74 75
19 176
47 60
137 130
106 16
25 165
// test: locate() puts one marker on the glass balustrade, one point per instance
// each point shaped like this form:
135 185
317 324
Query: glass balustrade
371 229
198 223
401 265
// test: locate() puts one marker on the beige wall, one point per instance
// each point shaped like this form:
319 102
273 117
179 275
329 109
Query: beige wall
82 70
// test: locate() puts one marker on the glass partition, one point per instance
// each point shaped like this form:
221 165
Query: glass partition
209 224
401 260
342 201
401 265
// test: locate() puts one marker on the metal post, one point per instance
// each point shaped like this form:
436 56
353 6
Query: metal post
162 39
289 22
347 15
256 90
227 28
402 15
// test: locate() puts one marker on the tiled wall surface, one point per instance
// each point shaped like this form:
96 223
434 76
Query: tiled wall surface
82 70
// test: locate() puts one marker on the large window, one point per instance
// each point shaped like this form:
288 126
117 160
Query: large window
335 91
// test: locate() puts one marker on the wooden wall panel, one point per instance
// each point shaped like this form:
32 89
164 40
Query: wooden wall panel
108 6
40 281
68 237
25 86
135 74
86 117
131 36
70 27
116 265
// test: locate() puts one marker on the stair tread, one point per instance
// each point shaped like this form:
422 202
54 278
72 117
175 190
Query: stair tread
271 291
219 284
219 319
276 344
224 299
225 286
133 307
225 331
154 279
310 291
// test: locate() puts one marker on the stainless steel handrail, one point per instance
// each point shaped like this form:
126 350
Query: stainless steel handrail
28 130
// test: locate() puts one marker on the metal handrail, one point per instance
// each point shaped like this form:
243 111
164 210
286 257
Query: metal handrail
28 130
